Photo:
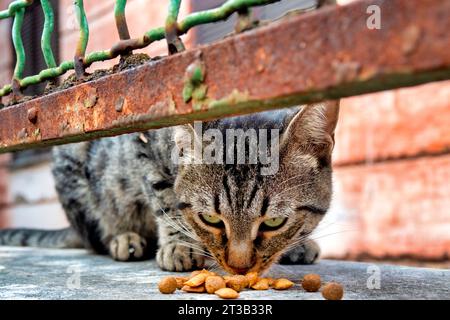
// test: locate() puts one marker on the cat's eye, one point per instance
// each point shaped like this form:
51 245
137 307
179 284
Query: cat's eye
272 224
212 220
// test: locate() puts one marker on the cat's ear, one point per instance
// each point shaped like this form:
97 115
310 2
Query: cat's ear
312 129
187 145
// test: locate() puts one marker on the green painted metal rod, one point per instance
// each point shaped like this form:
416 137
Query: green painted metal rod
14 7
192 20
80 50
220 13
18 44
174 42
46 40
121 21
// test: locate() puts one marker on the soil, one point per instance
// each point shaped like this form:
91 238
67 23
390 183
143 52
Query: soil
125 63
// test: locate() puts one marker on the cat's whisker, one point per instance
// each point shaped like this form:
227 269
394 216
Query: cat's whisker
331 234
177 225
174 225
198 249
290 272
172 222
200 253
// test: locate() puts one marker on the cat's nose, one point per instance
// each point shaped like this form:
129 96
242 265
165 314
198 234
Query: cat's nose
239 256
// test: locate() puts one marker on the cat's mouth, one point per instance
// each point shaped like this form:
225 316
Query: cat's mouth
256 267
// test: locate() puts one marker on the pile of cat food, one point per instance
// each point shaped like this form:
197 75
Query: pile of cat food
228 287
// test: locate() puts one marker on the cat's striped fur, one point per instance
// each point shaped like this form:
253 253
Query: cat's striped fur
124 196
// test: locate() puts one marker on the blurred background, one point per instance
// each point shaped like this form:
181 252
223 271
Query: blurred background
392 154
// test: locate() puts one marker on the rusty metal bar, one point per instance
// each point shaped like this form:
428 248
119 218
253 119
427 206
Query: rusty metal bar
320 55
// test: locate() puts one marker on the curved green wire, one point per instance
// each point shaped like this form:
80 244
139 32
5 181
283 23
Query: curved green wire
119 14
174 8
84 28
49 24
18 44
192 20
14 7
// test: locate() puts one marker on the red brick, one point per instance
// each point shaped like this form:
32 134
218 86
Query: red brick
394 124
392 209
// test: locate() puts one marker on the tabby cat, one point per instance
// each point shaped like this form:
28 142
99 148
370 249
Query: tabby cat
125 196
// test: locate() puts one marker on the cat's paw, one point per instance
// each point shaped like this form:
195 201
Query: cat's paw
127 246
175 257
306 253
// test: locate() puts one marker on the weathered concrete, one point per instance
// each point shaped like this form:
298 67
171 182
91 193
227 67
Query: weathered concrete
27 273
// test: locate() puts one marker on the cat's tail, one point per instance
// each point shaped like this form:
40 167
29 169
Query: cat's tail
63 238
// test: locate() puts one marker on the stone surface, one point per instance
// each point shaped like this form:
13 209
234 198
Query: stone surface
27 273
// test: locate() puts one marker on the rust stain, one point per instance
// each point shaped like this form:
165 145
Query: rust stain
411 38
346 71
32 114
118 106
305 58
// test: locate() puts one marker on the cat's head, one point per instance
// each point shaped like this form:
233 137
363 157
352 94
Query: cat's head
248 220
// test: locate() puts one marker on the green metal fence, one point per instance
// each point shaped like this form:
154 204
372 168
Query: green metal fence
171 32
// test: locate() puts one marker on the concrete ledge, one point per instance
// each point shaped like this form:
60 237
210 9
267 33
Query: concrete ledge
28 273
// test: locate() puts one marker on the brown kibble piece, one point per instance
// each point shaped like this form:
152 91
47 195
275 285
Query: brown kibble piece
197 280
194 273
181 281
167 285
311 282
199 289
262 284
333 291
227 293
214 283
237 282
271 281
252 278
282 284
209 273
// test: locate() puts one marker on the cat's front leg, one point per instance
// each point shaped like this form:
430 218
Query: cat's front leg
127 246
305 253
178 251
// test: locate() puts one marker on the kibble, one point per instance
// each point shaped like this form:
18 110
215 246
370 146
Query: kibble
214 283
167 285
282 284
252 278
181 281
196 280
227 293
262 284
271 281
311 282
228 287
194 273
333 291
237 283
198 289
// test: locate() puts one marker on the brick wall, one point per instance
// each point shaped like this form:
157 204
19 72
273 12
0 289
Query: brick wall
392 190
